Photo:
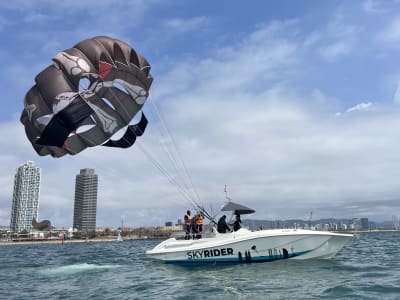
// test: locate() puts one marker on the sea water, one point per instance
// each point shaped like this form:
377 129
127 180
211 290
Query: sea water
367 268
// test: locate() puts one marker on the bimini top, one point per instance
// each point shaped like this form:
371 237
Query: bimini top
237 208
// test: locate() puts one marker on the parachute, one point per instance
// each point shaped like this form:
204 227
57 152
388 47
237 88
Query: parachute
92 90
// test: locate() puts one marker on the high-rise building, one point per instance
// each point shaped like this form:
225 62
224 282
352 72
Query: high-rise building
25 205
85 206
364 224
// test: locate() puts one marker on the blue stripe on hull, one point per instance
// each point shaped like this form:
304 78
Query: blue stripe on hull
234 260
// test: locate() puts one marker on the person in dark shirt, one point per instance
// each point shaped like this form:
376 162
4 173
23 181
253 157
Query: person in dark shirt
236 224
222 226
193 227
187 225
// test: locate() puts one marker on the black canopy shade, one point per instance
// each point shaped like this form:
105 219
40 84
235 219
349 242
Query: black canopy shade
237 208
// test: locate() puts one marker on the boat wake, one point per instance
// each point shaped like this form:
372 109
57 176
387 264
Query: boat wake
74 269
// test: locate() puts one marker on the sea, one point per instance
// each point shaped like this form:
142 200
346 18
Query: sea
367 268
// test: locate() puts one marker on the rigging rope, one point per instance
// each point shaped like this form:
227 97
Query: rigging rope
185 189
175 147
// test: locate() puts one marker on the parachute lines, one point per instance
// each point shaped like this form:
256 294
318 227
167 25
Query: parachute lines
173 168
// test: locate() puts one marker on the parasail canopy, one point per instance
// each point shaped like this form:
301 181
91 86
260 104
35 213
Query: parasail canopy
92 90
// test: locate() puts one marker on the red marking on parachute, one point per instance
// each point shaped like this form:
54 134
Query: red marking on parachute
104 69
66 146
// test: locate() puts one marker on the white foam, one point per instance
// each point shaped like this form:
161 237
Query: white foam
76 268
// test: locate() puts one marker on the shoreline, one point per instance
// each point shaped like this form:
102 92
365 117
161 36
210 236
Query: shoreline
9 243
114 239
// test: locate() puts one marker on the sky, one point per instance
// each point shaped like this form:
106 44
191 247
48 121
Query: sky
293 105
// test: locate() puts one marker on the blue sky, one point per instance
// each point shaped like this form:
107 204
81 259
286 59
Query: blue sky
293 104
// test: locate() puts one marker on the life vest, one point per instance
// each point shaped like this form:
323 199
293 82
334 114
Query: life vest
199 220
188 219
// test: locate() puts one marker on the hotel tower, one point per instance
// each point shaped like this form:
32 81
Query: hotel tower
85 206
25 203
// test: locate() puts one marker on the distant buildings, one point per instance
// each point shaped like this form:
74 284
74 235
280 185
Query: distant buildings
85 206
25 203
364 224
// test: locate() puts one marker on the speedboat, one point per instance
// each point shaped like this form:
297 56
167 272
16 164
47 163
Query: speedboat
246 246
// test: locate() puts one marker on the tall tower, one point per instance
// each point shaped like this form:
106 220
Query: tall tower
25 205
85 206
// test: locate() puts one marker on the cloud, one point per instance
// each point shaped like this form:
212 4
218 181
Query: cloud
374 7
182 26
271 140
263 56
396 97
340 38
361 107
391 33
332 51
67 22
246 113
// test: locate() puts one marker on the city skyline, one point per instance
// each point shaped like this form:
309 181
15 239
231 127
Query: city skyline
86 186
294 105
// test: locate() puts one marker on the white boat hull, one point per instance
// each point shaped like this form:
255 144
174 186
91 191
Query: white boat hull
246 246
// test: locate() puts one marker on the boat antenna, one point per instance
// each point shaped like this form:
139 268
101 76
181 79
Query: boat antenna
226 193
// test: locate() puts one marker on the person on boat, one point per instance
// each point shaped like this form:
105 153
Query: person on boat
187 224
193 227
236 224
222 226
199 224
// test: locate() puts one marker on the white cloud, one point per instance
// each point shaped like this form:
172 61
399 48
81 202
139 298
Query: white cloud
261 146
396 97
312 39
240 117
373 7
391 34
364 106
34 17
360 107
340 38
261 57
331 52
181 26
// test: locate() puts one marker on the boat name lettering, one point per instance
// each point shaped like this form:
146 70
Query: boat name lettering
196 254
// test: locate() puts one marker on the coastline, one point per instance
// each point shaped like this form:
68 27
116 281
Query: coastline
96 240
113 238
